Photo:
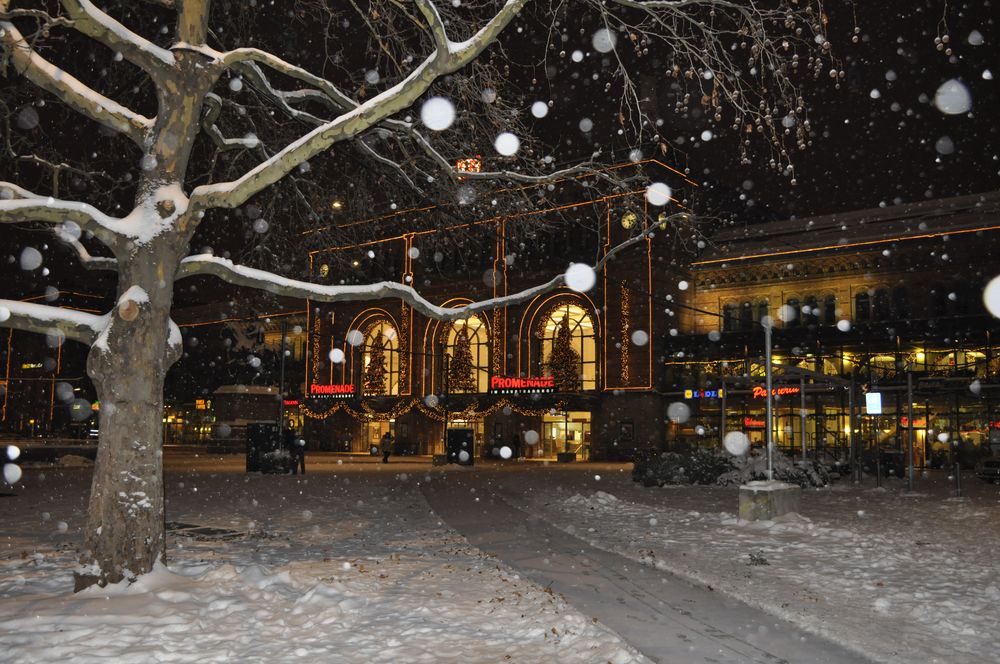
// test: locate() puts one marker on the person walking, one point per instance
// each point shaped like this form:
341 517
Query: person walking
386 445
296 446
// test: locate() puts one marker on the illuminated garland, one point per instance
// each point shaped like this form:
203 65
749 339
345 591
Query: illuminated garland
626 324
470 412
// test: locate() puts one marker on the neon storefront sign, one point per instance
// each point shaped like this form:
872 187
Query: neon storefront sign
517 385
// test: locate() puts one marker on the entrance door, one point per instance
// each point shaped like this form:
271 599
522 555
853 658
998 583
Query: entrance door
374 432
566 432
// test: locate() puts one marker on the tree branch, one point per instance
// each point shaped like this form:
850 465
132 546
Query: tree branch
350 124
69 89
212 108
18 205
91 21
43 319
240 275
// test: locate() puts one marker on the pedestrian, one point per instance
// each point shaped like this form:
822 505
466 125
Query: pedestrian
299 455
386 446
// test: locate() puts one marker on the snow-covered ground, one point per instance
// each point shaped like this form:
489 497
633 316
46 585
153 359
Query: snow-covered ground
901 578
332 566
348 564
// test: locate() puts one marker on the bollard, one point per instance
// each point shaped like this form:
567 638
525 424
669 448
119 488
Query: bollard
958 478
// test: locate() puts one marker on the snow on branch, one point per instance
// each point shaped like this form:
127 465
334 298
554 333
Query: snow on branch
355 121
241 275
18 205
70 90
213 106
91 21
58 322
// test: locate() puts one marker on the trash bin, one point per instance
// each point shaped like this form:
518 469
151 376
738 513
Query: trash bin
264 451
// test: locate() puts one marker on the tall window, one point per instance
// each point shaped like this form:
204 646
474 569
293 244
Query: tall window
862 307
730 318
881 309
381 349
581 329
478 353
900 303
830 310
794 311
810 311
746 316
763 310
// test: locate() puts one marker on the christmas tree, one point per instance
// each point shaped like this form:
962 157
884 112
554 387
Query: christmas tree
374 379
461 373
564 361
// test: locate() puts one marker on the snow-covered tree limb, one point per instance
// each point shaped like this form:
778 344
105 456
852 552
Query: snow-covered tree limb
354 122
69 89
52 321
213 106
18 205
241 275
88 260
96 24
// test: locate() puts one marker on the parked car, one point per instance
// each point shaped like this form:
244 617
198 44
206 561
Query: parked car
988 470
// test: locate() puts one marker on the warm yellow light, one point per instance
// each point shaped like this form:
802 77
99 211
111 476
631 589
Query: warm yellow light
336 205
920 356
629 220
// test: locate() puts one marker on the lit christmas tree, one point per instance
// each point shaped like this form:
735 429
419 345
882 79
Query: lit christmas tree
564 361
374 380
461 373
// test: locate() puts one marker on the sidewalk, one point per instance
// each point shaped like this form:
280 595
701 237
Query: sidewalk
665 617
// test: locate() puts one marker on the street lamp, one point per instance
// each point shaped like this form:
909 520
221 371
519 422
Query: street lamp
767 322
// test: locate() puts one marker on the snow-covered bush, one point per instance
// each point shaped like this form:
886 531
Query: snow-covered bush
276 462
707 466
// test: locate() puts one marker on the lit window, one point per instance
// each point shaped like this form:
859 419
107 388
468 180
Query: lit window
581 330
477 372
381 345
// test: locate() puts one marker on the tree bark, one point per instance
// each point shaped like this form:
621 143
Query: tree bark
125 533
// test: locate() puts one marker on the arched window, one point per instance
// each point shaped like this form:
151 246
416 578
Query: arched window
862 307
475 376
830 310
730 318
794 312
746 316
380 360
581 331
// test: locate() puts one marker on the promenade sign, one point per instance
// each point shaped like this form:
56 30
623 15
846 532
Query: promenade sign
517 385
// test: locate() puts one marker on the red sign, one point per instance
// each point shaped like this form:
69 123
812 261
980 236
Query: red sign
513 385
918 422
751 423
340 390
761 392
290 402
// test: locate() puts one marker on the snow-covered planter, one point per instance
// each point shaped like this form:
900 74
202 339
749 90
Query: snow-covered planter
753 467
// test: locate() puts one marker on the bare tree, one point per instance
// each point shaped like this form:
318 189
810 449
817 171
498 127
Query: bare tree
178 85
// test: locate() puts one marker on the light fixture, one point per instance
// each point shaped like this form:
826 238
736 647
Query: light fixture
324 270
336 205
629 220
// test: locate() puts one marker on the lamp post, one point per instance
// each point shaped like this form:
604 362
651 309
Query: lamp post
768 323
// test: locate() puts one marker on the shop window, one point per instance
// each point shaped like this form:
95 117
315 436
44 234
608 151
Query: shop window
581 329
862 307
381 346
476 374
730 318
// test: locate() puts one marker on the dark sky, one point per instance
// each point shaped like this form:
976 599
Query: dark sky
881 138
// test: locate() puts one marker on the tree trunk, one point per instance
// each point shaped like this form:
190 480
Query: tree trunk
125 533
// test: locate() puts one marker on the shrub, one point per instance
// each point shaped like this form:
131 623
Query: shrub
715 466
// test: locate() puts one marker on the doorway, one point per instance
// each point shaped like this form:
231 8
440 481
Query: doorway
566 432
